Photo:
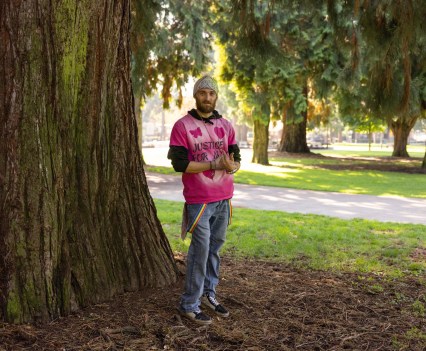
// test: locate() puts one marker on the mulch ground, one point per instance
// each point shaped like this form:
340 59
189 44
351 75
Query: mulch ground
273 307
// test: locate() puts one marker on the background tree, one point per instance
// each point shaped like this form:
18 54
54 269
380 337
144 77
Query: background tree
144 15
355 112
424 161
77 223
375 46
252 93
170 43
386 41
242 69
365 124
279 47
311 63
395 58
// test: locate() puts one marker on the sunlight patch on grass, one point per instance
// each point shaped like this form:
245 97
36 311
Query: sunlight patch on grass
385 231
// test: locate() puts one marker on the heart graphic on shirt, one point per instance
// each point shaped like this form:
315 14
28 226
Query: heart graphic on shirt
209 174
196 132
219 132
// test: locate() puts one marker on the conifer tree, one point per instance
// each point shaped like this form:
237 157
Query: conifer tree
274 49
77 222
169 43
386 43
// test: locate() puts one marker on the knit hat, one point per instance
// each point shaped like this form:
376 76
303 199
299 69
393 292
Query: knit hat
205 82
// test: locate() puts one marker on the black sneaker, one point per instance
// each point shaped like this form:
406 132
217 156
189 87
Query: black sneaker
197 317
212 303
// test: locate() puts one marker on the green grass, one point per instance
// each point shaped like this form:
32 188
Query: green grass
364 153
343 181
305 173
312 241
361 150
161 169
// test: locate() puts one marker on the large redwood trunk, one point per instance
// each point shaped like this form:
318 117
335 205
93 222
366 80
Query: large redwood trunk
293 138
401 129
260 142
77 223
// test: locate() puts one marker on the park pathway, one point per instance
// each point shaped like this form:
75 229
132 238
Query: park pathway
346 206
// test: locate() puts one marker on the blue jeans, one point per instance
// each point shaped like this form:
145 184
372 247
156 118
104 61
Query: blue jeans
203 261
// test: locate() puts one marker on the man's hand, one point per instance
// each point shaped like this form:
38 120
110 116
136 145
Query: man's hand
225 162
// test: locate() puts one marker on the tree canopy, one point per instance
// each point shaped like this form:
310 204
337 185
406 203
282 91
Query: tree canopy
170 43
388 61
276 55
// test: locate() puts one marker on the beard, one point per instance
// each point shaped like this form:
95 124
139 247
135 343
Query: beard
205 107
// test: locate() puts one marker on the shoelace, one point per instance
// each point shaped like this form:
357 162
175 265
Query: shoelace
212 300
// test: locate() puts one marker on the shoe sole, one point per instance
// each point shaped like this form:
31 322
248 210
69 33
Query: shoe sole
197 321
214 310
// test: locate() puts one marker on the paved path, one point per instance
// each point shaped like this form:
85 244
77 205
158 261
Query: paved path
379 208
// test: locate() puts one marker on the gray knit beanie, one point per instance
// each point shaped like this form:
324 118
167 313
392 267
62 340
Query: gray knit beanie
205 82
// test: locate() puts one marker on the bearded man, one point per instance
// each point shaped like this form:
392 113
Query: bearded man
204 149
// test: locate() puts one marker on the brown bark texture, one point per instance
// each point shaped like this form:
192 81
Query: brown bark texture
77 222
401 129
293 137
138 116
260 142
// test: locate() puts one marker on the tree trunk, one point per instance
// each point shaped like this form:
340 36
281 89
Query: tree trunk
424 162
260 142
293 138
77 222
401 130
138 116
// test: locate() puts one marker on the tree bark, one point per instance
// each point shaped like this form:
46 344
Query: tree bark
401 130
293 138
260 142
138 116
77 222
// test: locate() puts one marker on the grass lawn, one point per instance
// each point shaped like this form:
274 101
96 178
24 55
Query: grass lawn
301 175
316 242
318 174
361 150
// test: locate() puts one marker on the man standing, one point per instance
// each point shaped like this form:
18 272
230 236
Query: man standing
204 149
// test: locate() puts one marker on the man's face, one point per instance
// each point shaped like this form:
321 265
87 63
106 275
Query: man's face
205 100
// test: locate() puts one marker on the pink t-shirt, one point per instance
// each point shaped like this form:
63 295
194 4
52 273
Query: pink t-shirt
204 142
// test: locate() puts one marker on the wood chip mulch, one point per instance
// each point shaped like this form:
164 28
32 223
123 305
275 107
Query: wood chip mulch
273 307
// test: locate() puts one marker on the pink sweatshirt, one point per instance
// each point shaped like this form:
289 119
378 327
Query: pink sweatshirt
204 142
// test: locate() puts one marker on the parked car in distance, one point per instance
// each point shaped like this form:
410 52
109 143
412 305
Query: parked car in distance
314 144
243 144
